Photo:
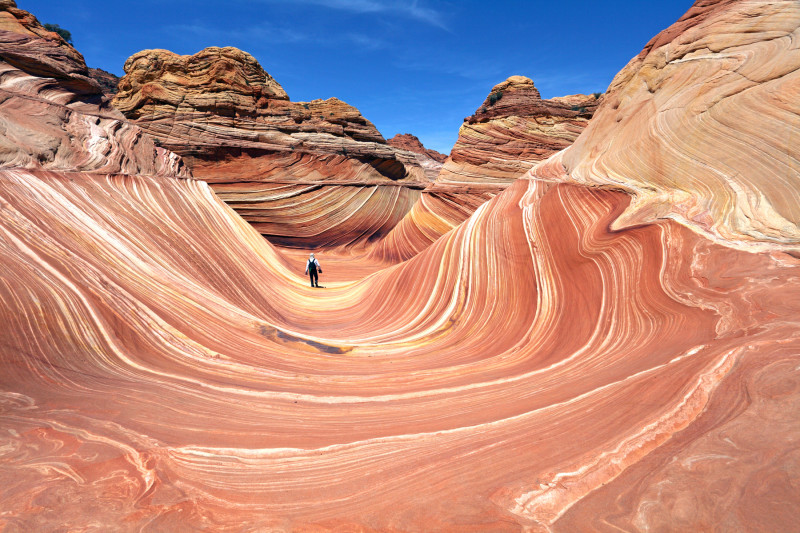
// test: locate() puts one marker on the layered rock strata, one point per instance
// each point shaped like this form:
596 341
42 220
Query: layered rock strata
711 155
510 132
307 174
537 368
53 115
430 160
107 81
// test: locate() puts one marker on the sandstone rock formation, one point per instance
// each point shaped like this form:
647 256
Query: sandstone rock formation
107 81
430 160
713 155
513 130
510 132
53 115
305 174
538 368
406 141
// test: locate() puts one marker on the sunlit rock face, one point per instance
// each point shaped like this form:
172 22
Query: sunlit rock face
305 174
510 132
430 160
54 116
702 126
513 130
165 368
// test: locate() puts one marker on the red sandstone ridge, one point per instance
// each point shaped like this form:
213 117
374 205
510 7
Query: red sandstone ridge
107 81
285 166
409 142
513 130
430 160
509 133
54 113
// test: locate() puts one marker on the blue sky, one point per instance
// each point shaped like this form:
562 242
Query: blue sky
410 66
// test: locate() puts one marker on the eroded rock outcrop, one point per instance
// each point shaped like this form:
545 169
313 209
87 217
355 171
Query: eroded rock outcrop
304 174
719 156
107 81
513 130
163 367
510 132
407 141
430 160
53 114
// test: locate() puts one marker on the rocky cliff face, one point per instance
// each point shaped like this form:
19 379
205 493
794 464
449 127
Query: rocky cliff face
54 115
713 155
509 133
282 165
430 160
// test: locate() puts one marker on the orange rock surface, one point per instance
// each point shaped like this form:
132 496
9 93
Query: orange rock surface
430 160
307 174
511 131
541 367
701 126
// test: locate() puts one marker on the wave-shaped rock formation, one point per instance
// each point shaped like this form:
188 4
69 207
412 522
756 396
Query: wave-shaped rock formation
538 368
658 134
509 133
54 115
305 174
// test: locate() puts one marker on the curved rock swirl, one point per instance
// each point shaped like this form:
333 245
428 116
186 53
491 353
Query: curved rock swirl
139 373
165 368
512 130
305 174
719 155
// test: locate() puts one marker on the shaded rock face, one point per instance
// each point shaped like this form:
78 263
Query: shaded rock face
282 165
107 81
54 115
509 133
714 155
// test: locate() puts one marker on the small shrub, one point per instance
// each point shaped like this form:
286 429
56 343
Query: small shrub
495 97
66 35
597 95
305 105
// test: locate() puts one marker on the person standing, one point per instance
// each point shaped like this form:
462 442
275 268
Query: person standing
312 266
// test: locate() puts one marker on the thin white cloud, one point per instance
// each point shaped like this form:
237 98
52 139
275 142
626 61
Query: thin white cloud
262 32
412 9
272 34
